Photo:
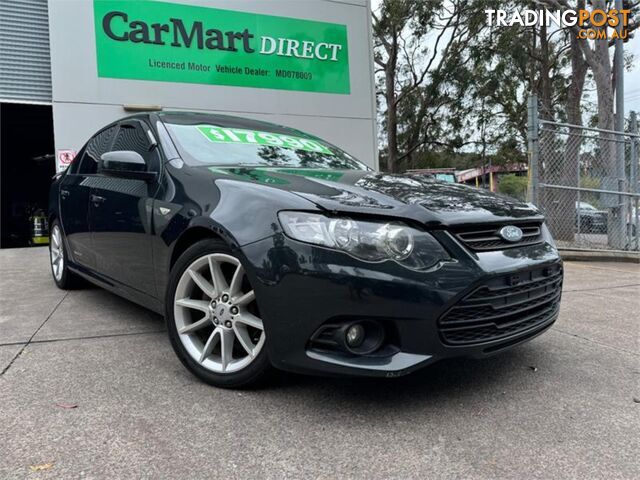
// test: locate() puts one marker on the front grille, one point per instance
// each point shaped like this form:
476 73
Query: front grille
483 238
503 307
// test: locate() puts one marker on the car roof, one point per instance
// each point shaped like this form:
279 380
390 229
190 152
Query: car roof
227 121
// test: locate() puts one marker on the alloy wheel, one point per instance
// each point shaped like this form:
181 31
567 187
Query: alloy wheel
57 253
216 314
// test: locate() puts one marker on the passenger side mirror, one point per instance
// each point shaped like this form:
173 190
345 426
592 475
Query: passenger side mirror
125 164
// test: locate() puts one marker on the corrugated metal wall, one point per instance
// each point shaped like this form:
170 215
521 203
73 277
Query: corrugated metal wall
25 65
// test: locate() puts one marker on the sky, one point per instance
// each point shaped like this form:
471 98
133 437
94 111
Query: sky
631 77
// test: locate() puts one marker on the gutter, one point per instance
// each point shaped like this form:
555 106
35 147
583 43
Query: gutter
591 255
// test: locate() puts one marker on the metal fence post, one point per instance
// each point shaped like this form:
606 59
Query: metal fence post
634 216
534 148
633 173
619 238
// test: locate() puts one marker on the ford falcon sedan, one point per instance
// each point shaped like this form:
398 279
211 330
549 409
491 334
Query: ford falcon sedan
265 247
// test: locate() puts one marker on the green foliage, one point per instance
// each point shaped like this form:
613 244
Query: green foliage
590 197
590 182
513 186
509 151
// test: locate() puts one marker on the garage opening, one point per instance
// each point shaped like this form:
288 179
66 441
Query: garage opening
27 165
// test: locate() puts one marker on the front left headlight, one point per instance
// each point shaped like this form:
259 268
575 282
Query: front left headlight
369 241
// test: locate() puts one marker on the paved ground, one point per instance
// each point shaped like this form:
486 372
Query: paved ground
561 406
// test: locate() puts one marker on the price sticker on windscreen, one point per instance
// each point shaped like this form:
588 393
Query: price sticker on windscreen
255 137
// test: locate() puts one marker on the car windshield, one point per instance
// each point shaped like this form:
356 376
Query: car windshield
217 145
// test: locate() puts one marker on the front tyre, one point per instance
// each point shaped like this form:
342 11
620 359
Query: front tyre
213 320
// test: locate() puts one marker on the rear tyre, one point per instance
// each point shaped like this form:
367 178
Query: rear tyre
213 319
62 276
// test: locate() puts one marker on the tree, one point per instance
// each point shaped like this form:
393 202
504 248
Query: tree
450 84
514 62
596 56
412 74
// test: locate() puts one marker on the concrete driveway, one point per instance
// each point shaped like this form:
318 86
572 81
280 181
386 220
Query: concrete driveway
563 405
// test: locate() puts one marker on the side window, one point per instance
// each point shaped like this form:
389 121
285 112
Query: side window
98 145
134 138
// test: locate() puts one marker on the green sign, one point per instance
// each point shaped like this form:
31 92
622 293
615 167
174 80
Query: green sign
149 40
254 137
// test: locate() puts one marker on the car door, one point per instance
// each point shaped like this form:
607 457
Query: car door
120 213
75 190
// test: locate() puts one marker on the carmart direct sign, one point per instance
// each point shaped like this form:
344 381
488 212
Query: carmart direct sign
149 40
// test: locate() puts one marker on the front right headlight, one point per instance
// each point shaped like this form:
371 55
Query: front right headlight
369 241
546 235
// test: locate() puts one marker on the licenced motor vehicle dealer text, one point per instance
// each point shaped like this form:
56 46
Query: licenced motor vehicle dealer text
226 69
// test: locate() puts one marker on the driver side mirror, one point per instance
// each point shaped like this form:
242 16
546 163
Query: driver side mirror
125 164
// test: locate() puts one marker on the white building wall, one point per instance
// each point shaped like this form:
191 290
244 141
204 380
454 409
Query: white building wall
83 102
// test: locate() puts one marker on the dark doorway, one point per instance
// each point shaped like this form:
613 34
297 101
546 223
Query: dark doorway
27 164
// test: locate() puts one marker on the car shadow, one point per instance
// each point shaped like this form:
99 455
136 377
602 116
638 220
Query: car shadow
442 381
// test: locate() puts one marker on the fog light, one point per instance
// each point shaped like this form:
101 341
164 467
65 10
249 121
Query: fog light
355 335
361 337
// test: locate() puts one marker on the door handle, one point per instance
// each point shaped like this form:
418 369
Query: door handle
97 199
64 193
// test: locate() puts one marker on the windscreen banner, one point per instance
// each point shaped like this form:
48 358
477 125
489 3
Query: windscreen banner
168 42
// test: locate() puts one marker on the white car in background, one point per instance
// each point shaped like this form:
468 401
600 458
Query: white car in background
591 220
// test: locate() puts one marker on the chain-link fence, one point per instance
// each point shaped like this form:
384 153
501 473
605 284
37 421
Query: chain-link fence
586 182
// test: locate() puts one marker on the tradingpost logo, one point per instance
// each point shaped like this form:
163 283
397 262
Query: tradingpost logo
594 24
150 40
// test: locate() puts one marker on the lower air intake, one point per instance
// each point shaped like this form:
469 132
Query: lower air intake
504 307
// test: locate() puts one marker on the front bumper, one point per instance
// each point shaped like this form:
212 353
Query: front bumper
300 287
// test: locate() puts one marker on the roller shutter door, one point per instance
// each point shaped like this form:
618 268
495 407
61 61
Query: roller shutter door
25 65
